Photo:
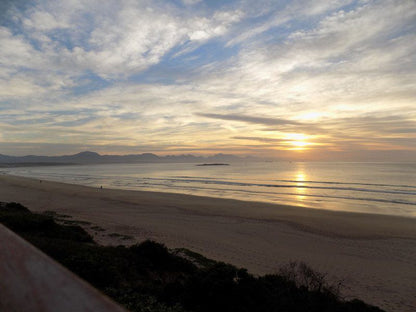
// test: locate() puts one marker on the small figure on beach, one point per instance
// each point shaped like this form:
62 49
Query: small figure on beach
101 187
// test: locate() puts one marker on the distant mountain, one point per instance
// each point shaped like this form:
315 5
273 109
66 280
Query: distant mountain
88 157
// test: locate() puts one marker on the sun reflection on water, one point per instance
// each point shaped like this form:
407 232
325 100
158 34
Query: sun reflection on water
300 179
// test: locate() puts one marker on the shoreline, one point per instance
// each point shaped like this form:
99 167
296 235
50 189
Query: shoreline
358 188
343 224
375 254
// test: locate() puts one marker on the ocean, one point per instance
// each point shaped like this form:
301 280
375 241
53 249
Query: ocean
381 188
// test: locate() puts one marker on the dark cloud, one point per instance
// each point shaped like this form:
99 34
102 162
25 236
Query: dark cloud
273 124
251 119
259 139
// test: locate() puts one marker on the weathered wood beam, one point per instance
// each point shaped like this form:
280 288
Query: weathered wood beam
31 281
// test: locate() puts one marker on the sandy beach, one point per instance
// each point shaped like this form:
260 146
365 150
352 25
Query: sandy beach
374 255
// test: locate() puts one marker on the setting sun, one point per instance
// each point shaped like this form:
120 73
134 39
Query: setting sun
299 143
298 140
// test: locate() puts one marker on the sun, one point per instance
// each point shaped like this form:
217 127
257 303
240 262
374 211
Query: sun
299 143
297 140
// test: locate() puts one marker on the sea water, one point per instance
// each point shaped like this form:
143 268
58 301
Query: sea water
382 188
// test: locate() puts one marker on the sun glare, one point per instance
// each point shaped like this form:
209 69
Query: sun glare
299 143
297 140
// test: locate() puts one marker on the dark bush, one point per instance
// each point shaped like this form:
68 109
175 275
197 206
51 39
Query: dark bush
19 219
15 207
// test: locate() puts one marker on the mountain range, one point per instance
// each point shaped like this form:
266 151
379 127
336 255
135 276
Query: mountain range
88 157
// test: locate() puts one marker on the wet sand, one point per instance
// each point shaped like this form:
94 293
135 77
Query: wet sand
374 255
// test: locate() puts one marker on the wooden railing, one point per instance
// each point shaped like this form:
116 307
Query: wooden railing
31 281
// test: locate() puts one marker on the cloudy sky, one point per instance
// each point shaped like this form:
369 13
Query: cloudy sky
311 80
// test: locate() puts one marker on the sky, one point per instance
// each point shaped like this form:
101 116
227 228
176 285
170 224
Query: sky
294 80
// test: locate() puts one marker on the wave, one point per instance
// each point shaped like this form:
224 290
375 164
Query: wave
349 183
368 199
315 182
298 186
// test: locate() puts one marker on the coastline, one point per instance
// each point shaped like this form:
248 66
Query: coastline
374 254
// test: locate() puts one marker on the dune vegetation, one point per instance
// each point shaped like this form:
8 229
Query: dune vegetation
150 277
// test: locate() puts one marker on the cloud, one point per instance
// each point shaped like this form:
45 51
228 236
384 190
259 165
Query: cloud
16 52
44 21
251 119
259 139
117 38
282 16
160 74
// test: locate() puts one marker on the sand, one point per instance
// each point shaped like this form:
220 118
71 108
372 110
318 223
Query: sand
374 255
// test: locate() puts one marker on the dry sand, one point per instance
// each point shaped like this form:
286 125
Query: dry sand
375 255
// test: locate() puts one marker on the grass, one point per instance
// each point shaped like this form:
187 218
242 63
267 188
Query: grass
148 277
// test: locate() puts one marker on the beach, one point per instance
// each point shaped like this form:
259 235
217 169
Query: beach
374 255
